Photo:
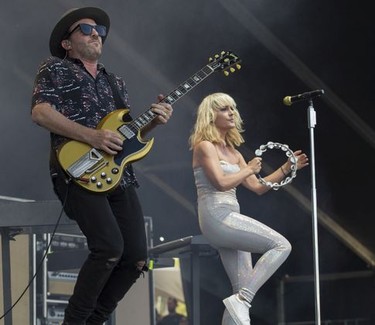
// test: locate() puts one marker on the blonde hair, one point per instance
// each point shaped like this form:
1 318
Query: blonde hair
205 129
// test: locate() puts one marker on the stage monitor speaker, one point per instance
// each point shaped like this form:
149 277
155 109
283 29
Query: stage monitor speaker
135 307
20 276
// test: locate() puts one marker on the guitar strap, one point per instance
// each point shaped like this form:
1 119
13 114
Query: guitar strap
116 94
115 91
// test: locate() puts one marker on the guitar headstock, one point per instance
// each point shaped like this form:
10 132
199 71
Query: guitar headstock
226 61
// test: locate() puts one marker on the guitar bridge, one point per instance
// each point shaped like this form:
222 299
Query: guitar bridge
85 164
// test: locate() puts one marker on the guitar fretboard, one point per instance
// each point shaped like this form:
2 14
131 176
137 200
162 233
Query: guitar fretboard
172 97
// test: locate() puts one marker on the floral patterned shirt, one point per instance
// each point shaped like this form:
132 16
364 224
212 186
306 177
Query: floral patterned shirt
72 91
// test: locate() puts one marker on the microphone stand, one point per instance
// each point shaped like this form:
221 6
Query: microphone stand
311 116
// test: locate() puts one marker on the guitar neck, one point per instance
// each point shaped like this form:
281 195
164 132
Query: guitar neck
188 85
147 117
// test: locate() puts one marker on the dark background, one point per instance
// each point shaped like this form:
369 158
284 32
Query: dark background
287 47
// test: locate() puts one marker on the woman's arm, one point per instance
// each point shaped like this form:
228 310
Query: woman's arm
205 156
253 184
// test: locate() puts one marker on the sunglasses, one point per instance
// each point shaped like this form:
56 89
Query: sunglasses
86 29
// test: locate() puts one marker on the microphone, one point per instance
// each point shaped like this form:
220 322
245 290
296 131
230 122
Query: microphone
289 100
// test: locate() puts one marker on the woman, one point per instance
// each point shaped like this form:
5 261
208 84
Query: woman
218 169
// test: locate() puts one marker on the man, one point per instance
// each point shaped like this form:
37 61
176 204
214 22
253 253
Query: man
73 92
173 318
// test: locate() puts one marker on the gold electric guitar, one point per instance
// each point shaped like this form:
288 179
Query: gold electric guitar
97 171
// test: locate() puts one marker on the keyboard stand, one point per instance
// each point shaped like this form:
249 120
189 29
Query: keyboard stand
192 247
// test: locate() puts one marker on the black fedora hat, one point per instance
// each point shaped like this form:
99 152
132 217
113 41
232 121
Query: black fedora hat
68 19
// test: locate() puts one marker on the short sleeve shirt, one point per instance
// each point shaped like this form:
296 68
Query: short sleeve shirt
71 90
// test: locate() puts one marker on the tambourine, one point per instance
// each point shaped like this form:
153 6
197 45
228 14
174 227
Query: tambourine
289 153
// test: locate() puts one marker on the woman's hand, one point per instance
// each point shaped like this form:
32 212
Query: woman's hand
255 164
302 161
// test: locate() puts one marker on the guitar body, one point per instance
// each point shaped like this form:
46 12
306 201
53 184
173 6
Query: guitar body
100 172
96 170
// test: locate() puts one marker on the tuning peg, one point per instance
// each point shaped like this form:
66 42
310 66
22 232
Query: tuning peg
217 56
238 66
232 69
210 59
226 73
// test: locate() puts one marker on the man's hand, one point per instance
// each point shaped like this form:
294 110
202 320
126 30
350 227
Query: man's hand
163 110
106 140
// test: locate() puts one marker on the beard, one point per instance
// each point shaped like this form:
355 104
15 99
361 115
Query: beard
91 51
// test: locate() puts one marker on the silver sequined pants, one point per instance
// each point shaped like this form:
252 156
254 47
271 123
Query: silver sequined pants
236 236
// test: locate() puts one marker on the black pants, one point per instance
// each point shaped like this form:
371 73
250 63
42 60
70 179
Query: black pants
114 227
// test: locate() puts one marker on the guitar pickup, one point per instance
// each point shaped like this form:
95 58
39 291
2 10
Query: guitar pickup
126 131
85 164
